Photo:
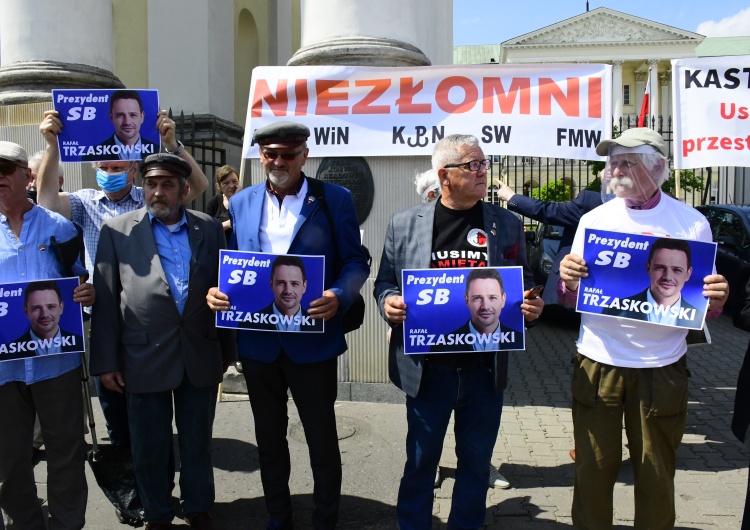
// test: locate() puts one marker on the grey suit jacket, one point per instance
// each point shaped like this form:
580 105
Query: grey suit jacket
408 245
136 328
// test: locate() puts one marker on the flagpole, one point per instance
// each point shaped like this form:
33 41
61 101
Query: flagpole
644 119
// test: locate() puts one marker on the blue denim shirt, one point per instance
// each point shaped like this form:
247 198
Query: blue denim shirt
174 254
29 258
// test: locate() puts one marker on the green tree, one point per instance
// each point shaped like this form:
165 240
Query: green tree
556 191
689 182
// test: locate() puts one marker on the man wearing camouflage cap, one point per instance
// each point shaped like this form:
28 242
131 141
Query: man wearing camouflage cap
153 337
284 215
625 367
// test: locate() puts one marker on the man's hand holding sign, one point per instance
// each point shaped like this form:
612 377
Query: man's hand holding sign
671 270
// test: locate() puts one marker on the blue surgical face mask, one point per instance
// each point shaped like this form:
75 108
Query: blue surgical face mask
112 182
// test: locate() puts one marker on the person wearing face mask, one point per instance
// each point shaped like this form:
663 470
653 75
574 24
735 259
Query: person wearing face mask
626 368
90 208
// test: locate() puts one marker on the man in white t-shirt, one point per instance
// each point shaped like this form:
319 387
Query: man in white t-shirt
626 367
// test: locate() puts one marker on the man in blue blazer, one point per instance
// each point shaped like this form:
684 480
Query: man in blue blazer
285 215
565 214
457 230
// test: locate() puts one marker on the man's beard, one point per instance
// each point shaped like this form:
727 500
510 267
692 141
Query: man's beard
162 211
280 179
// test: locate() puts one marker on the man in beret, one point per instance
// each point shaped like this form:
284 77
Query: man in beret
47 386
90 208
283 216
154 340
624 367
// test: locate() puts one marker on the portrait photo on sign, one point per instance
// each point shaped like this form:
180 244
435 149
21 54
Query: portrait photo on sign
270 292
39 318
463 310
646 278
107 125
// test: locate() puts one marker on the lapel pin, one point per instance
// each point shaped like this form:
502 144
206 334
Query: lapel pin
492 232
310 199
196 227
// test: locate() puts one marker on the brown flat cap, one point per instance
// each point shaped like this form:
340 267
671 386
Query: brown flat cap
165 165
282 134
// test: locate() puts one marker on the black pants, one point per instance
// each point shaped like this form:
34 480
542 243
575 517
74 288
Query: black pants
313 388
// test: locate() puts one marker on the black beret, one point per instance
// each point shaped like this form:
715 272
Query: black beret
165 165
281 134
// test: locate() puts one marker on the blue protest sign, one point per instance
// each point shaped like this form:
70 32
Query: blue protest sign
463 309
270 292
100 125
39 318
646 278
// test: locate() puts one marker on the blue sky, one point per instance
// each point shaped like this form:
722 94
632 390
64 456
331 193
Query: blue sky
495 21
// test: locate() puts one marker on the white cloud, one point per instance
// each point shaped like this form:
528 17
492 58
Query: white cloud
734 26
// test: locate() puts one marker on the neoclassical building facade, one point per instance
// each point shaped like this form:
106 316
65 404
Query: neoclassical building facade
638 50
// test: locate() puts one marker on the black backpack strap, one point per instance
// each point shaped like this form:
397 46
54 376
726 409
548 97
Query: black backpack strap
316 188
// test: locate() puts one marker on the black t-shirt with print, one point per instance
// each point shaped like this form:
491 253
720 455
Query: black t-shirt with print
459 240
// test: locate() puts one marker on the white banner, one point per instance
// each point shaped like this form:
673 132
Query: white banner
711 110
549 110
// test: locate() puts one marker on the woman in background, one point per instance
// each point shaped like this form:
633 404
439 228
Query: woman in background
227 184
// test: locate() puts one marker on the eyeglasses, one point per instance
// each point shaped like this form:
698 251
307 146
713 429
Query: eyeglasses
270 155
474 165
7 167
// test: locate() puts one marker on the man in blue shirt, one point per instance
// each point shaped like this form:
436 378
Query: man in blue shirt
49 386
90 208
153 338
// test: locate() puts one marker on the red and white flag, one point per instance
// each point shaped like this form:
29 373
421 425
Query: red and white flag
643 120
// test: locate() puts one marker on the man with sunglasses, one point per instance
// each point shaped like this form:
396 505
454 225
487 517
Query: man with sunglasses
91 208
287 215
456 230
49 386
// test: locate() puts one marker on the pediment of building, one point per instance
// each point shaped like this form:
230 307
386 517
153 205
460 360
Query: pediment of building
603 26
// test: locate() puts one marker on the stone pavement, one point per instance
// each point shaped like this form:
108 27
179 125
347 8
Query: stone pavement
532 451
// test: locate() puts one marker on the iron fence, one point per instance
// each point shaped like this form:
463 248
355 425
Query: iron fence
201 139
532 176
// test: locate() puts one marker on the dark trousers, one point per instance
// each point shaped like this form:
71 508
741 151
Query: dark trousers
314 389
115 412
469 393
151 426
57 402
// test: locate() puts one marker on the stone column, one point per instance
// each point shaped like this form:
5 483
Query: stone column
363 33
617 91
54 44
372 33
653 104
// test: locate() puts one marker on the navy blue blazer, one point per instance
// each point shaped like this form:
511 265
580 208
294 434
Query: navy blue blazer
346 268
464 330
77 345
565 214
643 297
408 245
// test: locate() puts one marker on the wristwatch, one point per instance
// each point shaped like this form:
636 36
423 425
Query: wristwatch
180 148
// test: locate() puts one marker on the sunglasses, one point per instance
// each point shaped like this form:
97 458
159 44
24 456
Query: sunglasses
473 165
7 167
271 155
